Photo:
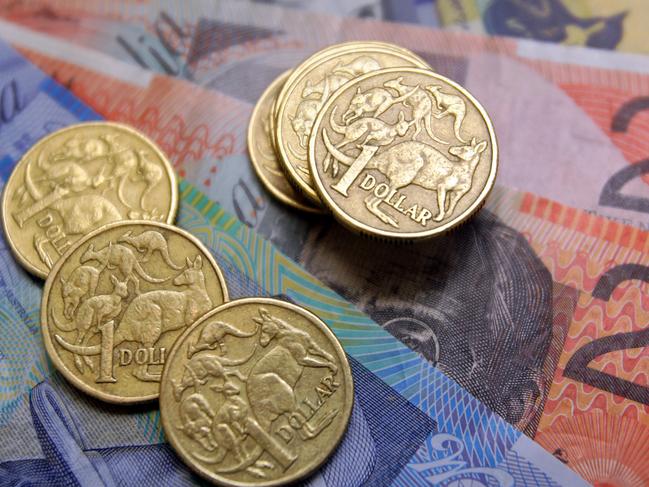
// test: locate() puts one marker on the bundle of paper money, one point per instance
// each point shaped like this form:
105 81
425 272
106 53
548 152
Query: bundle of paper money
512 351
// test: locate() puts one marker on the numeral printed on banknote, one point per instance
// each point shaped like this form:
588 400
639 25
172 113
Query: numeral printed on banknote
67 438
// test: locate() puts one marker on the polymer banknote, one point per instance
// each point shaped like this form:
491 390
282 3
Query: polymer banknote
619 25
518 392
562 114
603 24
442 435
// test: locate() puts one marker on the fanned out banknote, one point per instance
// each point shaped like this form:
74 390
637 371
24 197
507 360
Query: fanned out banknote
411 424
618 25
570 121
478 356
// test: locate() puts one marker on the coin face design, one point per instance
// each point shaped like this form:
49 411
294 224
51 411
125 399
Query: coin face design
309 88
403 153
114 304
258 392
76 180
262 152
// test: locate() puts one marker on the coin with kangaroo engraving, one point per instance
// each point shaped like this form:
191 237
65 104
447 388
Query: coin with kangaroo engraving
116 301
262 152
403 154
76 180
258 392
308 89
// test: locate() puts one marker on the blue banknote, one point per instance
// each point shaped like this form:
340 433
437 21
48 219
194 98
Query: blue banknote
411 424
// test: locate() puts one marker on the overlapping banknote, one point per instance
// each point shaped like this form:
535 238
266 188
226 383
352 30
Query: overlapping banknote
569 120
411 425
510 345
619 25
604 24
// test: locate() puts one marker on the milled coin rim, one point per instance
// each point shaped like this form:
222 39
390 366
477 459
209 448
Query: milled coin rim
268 184
169 429
173 206
298 75
49 346
358 226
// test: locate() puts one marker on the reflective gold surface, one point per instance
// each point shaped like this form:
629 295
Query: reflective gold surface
114 304
262 151
403 153
308 89
76 180
258 392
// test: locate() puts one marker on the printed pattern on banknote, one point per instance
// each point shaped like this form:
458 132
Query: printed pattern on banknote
588 94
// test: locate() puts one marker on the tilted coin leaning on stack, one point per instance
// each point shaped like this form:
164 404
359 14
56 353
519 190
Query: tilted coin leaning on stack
369 132
135 309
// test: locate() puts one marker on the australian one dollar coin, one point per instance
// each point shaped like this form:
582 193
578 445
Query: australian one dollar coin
76 180
258 392
114 304
403 154
262 151
308 89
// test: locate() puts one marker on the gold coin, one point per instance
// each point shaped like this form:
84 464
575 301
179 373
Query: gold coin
311 86
256 393
114 304
336 48
262 153
403 153
76 180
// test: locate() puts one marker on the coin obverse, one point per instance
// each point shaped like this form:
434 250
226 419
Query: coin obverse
413 166
76 180
114 304
308 89
258 392
262 152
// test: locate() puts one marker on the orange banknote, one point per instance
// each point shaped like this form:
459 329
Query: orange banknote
538 309
562 114
596 412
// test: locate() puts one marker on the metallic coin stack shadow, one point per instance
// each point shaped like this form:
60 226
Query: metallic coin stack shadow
370 133
135 309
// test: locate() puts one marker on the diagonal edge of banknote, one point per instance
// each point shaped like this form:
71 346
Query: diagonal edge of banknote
467 436
465 428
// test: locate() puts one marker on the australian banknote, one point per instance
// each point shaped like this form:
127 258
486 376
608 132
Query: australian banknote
569 120
411 424
604 24
619 25
421 12
474 351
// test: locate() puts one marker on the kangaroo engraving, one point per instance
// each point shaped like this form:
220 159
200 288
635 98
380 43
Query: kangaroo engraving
80 284
305 115
196 420
117 256
64 179
374 130
271 381
212 336
451 105
199 370
149 173
92 313
151 314
413 162
81 214
330 82
149 242
374 101
358 66
419 102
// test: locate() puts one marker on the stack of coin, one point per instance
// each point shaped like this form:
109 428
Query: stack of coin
369 132
135 309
